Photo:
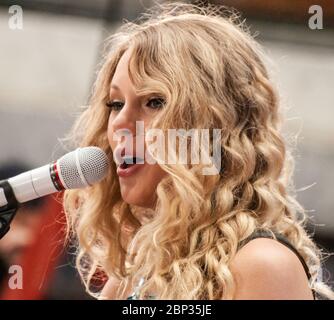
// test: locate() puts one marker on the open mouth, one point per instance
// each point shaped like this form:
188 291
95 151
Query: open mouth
130 161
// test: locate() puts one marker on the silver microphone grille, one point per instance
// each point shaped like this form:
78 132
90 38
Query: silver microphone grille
82 167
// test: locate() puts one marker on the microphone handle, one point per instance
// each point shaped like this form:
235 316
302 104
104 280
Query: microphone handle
34 184
24 187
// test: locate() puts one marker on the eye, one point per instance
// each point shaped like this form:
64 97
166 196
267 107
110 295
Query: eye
115 105
156 103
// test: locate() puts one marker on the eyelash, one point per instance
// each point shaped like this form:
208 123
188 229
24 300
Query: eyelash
114 105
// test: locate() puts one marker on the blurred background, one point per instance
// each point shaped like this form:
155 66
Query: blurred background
46 73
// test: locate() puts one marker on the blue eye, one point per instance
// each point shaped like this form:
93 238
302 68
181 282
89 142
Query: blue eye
160 102
115 105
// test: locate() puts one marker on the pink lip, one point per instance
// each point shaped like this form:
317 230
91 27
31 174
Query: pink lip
128 171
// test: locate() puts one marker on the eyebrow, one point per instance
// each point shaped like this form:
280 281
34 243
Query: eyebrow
114 86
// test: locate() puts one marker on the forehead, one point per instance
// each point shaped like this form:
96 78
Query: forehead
122 66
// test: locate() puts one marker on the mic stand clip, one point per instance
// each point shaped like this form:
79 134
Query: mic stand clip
7 212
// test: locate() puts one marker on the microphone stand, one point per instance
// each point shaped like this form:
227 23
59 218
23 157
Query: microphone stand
7 212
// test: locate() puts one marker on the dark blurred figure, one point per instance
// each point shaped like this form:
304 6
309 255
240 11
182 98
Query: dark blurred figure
33 235
22 229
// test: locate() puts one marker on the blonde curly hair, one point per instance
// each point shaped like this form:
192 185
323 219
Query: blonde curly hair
211 72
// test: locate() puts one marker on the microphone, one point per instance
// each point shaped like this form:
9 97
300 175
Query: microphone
77 169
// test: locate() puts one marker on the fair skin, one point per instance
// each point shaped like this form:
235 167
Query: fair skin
263 268
125 109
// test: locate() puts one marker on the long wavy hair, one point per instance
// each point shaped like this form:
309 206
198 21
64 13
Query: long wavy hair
210 71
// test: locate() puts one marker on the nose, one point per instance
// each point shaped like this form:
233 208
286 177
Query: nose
122 128
125 120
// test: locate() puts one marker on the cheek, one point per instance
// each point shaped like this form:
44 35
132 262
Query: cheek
157 175
110 133
152 176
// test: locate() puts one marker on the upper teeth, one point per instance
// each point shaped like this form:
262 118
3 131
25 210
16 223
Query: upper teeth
132 160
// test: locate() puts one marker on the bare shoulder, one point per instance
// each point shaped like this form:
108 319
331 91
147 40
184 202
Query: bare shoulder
266 269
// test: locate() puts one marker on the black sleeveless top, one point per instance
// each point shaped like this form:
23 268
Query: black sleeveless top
261 233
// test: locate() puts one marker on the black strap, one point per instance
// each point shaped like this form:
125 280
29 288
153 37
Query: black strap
262 233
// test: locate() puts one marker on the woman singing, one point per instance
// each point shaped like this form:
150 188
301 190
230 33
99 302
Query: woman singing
171 229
